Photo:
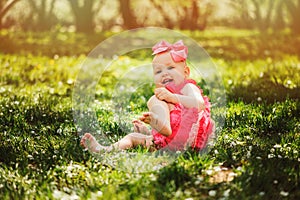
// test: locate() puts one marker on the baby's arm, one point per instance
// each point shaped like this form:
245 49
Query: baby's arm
190 98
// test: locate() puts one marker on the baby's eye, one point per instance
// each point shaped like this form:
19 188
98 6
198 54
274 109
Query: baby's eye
158 72
171 67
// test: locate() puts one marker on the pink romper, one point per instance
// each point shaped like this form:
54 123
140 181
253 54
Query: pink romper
190 127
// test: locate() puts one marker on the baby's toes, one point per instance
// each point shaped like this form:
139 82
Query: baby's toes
85 137
82 142
90 137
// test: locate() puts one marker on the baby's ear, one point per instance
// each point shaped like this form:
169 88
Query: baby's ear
186 70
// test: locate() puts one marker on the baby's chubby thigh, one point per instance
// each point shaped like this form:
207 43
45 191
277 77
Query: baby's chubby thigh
160 117
155 104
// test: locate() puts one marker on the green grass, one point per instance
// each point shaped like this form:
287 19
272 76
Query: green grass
255 156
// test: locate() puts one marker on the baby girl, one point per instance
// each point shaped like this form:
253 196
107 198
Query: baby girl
179 114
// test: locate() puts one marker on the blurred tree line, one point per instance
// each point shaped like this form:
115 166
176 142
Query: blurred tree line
99 15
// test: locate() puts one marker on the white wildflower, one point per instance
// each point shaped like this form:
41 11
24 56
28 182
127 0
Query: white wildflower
283 193
209 172
226 193
276 146
271 156
261 193
212 193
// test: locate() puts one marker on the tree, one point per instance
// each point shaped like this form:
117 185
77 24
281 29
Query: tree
258 14
241 8
195 15
191 14
44 16
5 6
279 20
129 18
168 21
84 15
263 22
293 7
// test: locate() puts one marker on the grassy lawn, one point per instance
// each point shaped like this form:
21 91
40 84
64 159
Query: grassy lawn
255 155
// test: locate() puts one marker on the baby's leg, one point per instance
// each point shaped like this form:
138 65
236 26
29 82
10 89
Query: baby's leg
160 121
129 141
133 140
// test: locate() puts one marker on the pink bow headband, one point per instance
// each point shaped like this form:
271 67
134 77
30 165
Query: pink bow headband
177 50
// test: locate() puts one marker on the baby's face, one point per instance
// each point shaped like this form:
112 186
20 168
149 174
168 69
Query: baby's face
166 70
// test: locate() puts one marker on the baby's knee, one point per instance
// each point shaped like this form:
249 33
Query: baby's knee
127 141
154 101
129 137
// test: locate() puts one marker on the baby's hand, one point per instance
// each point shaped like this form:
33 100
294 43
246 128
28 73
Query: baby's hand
165 95
146 117
139 127
153 120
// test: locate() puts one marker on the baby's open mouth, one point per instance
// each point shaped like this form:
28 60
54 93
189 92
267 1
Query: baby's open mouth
167 81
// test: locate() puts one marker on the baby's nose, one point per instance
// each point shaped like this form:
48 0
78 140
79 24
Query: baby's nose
165 72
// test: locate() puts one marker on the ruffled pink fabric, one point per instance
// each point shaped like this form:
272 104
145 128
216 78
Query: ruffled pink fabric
177 50
190 128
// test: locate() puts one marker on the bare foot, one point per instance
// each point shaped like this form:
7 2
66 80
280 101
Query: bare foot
139 127
89 142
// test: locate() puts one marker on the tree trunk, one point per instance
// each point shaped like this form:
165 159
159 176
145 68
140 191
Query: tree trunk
269 13
84 15
294 10
167 20
45 19
194 16
129 18
4 8
185 19
241 7
279 23
263 22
